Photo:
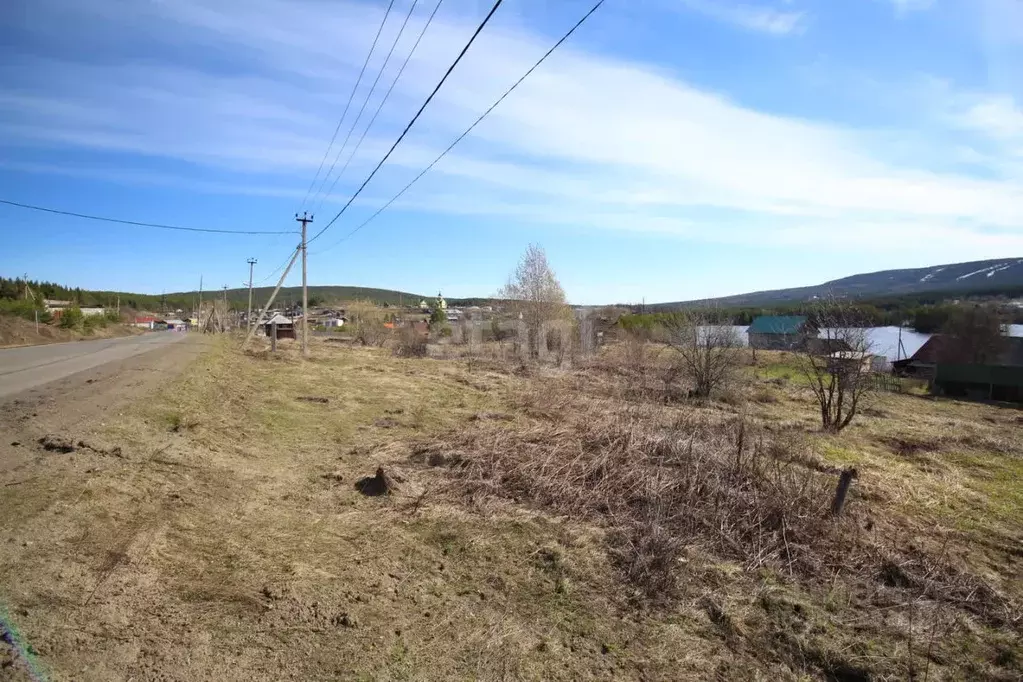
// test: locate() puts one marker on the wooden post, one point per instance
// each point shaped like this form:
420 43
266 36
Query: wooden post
273 337
844 481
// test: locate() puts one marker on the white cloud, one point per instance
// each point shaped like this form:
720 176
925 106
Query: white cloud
997 115
587 141
903 7
751 17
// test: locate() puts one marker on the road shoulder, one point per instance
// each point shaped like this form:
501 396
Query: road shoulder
75 404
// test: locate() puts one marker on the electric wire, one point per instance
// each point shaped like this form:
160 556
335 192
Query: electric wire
355 87
281 266
467 130
380 106
137 223
362 110
447 73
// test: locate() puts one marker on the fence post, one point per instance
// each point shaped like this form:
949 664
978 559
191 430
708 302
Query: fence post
844 481
273 337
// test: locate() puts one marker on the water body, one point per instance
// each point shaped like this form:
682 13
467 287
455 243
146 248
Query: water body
885 340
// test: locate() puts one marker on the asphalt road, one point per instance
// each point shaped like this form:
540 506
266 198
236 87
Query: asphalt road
30 366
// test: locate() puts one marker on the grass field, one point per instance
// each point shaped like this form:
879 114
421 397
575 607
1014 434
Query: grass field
541 523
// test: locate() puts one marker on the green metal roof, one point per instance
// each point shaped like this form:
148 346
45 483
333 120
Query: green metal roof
778 324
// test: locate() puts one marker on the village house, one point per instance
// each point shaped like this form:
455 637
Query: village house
953 374
780 332
285 327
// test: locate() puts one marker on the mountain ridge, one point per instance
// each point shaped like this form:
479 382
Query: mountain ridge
971 277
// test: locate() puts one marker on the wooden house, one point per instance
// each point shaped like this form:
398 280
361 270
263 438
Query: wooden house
781 332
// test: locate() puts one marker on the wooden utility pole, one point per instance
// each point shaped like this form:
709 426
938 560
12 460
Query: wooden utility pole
305 289
200 299
270 302
248 315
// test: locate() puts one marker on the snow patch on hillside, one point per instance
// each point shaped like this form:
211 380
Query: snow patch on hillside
991 269
929 275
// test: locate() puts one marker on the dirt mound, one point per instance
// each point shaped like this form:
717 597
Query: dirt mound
56 444
381 483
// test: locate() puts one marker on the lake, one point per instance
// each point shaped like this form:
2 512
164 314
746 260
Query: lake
885 340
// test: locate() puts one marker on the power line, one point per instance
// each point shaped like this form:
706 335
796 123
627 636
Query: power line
279 267
383 101
362 109
355 87
470 128
136 223
401 137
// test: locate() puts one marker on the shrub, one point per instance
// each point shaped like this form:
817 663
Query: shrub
707 355
93 322
660 490
21 308
71 318
411 344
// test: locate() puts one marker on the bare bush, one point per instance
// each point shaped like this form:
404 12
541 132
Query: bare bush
670 494
837 366
411 343
473 344
366 320
636 350
707 355
662 489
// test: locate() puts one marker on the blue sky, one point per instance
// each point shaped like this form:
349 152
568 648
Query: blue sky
672 149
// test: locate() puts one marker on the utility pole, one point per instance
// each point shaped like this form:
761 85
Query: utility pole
305 289
223 323
248 315
270 302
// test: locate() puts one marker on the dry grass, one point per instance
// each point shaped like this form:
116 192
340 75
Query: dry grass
15 331
551 524
659 488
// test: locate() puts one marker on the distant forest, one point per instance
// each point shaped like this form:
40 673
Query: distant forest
14 289
923 312
926 313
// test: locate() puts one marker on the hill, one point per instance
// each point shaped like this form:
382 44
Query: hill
14 288
987 277
318 295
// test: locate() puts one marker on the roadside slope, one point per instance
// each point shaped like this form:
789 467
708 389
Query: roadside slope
15 331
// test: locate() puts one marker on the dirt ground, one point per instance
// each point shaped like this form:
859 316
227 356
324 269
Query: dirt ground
213 523
15 331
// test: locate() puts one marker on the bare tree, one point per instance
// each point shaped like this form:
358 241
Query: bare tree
708 355
974 335
534 292
837 365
